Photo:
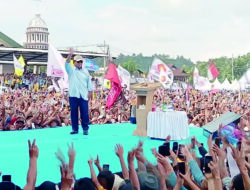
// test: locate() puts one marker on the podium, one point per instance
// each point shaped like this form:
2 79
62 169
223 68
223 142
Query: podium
144 93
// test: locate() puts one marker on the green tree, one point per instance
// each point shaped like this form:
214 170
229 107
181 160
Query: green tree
130 66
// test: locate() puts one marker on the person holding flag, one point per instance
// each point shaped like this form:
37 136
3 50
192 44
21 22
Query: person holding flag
80 91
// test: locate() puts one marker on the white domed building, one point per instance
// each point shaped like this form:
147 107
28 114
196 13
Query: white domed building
37 34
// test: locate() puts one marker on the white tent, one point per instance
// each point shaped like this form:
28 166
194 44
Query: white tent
226 85
235 85
245 80
216 85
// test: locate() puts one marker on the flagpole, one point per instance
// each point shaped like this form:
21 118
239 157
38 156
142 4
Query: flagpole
232 68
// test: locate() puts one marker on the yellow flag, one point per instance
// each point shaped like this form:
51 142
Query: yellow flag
107 83
19 68
21 60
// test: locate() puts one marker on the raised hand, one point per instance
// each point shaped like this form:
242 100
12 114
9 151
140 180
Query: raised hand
162 170
33 149
164 161
139 155
187 177
71 151
154 152
131 157
168 138
97 161
220 153
66 177
90 161
140 146
173 156
214 166
239 156
71 51
60 156
119 150
180 181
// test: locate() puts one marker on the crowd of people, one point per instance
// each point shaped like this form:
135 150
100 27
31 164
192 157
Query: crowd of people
31 101
204 107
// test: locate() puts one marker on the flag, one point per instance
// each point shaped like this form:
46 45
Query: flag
18 65
159 71
124 77
90 65
21 61
107 83
56 66
212 72
116 87
195 76
203 84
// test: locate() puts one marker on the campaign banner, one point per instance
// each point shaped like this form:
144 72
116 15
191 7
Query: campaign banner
160 72
124 77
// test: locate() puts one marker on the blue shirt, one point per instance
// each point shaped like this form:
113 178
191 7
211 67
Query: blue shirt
79 81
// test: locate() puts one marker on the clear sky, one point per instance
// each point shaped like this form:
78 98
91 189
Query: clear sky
196 29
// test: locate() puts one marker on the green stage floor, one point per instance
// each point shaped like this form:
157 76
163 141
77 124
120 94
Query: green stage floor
101 140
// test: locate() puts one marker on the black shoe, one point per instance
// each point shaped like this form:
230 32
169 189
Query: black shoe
73 132
85 132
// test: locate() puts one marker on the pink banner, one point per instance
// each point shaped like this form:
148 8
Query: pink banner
116 88
113 94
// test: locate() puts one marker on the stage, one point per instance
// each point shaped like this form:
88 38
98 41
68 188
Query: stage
101 140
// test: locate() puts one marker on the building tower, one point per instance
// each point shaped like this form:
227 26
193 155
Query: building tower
37 34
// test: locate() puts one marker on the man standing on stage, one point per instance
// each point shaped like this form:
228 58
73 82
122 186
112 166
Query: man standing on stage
79 92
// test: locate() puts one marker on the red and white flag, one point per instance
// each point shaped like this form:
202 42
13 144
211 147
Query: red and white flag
212 72
116 87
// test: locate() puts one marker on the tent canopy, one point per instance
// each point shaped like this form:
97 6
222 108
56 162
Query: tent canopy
226 85
36 56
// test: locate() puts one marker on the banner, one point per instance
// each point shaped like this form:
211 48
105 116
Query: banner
116 88
124 77
203 83
160 72
56 63
90 65
212 72
56 66
18 65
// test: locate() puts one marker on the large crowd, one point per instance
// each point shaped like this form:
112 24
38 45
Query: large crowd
29 102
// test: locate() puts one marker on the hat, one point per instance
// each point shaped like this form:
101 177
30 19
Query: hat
148 181
78 58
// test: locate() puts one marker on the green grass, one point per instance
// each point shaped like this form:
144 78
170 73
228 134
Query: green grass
101 140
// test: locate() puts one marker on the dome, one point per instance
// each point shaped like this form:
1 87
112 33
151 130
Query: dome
37 22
